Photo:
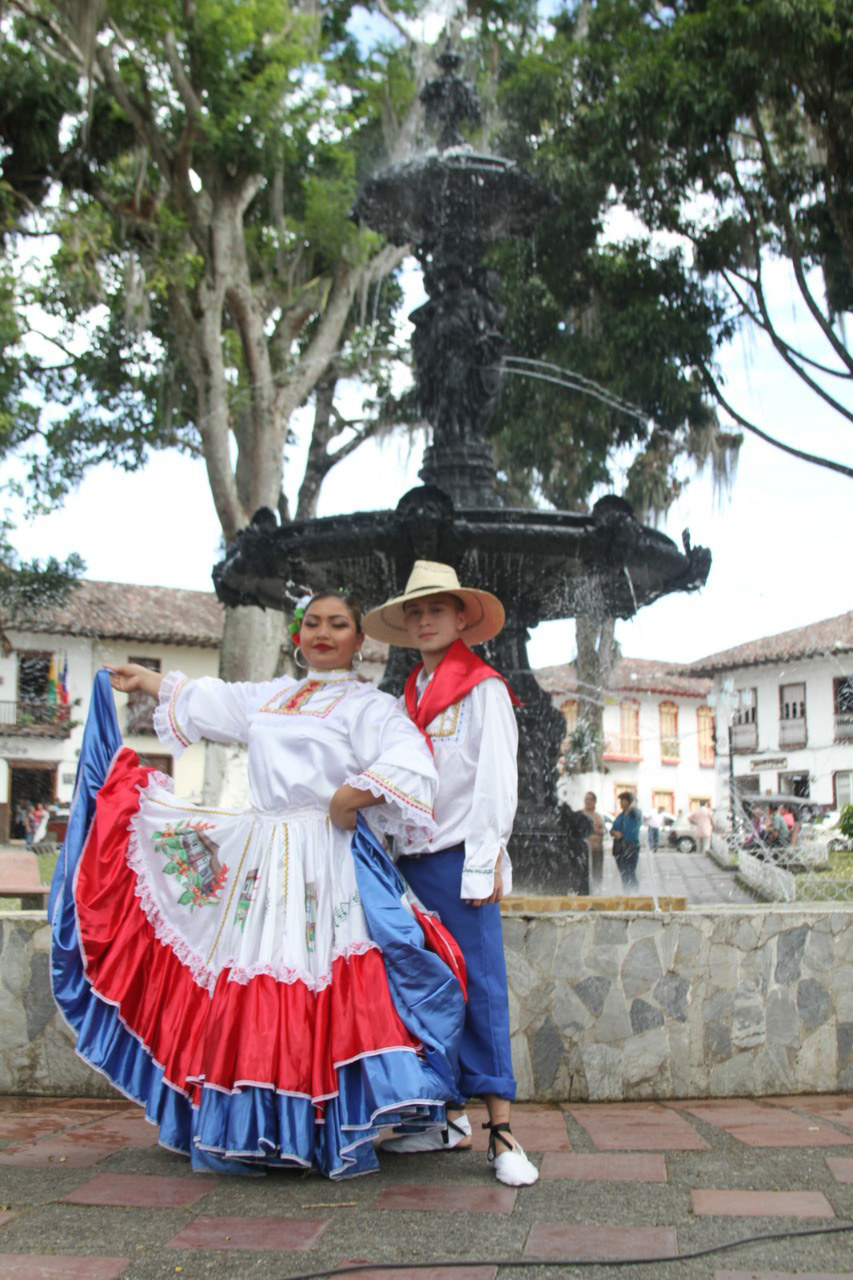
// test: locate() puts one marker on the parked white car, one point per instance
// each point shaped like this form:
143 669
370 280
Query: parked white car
679 833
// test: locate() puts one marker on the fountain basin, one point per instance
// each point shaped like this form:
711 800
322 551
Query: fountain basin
544 564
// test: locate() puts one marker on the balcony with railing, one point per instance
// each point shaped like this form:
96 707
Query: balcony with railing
844 726
35 717
745 737
792 733
622 746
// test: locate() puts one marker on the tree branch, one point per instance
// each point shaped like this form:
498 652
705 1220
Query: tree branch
794 251
711 383
190 99
395 23
791 355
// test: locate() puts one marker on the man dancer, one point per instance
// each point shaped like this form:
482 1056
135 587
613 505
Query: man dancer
464 708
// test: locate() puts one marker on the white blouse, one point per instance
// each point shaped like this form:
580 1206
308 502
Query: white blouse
308 737
475 743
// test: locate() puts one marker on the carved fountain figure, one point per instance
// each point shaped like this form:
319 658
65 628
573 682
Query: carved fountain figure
450 203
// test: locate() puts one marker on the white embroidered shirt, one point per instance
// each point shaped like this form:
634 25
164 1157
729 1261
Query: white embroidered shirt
475 743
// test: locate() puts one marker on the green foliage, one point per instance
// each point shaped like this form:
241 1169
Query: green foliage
203 174
30 587
845 821
722 127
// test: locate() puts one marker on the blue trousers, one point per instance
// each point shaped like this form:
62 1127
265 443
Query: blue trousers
485 1058
626 860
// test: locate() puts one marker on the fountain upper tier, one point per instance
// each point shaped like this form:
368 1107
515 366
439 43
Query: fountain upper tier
455 200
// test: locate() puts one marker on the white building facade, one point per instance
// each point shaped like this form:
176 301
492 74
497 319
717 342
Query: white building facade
102 623
658 736
785 713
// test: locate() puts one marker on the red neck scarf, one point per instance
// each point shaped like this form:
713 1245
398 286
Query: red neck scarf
457 674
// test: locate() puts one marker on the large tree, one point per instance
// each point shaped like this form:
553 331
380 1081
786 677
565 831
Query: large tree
724 128
691 145
199 165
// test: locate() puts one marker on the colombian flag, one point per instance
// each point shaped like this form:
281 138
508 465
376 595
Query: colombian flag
52 682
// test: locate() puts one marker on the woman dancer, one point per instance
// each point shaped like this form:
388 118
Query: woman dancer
219 966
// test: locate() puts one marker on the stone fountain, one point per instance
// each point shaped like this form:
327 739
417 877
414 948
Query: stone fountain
450 204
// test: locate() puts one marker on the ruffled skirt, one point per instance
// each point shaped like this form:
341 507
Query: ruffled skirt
255 981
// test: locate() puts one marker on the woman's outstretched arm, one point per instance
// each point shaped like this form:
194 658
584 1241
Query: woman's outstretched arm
133 677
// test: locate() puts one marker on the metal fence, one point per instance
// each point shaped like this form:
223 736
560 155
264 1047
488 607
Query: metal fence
816 867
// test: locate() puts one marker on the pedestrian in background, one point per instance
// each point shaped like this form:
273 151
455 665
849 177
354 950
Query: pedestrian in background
654 822
704 824
626 839
595 841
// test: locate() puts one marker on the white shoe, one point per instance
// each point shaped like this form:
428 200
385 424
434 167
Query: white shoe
430 1139
512 1166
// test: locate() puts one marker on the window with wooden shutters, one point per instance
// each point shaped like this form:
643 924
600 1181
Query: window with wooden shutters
670 751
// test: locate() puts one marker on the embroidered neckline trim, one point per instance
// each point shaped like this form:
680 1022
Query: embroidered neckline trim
337 675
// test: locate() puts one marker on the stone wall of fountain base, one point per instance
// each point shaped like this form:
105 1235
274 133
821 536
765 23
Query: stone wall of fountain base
710 1003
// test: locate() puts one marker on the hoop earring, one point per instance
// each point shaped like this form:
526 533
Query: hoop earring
357 659
297 654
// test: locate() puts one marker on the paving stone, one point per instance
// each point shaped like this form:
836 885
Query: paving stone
141 1191
492 1198
599 1241
57 1266
759 1126
257 1234
536 1128
781 1275
761 1204
838 1110
637 1127
841 1168
52 1152
19 1128
133 1130
598 1166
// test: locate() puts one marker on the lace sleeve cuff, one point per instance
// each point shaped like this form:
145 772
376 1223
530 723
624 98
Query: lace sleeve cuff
402 815
166 723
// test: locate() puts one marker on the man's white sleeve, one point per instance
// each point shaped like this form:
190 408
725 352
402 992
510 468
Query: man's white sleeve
495 792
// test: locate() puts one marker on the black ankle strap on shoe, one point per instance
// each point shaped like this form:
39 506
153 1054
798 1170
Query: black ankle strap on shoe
496 1134
451 1124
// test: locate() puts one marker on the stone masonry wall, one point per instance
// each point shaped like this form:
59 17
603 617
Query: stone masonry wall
720 1003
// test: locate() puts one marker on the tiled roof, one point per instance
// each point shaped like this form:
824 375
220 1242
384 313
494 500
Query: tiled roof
162 615
818 639
117 610
634 675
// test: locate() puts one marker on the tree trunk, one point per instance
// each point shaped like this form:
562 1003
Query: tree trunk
596 655
251 645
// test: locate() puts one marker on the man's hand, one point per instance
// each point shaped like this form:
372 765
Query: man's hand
495 896
345 804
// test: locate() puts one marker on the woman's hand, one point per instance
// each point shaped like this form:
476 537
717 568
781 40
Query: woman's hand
132 677
345 804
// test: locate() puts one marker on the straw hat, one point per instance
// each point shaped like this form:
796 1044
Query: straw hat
484 613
